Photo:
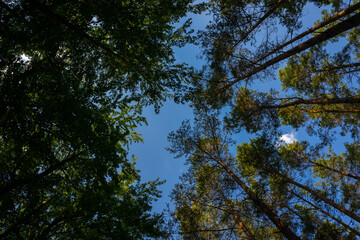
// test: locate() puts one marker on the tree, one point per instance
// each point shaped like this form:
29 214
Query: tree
207 145
74 78
281 163
235 56
266 187
304 189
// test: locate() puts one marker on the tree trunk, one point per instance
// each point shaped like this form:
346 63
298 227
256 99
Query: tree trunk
326 69
333 18
331 169
326 213
303 219
263 207
325 101
282 226
316 194
328 34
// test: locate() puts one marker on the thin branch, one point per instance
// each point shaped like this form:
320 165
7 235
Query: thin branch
266 15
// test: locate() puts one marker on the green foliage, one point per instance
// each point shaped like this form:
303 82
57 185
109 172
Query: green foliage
74 77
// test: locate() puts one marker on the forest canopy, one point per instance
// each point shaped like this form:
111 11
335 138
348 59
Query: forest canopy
268 74
76 75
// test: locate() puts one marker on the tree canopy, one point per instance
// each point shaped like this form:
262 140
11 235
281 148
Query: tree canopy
75 76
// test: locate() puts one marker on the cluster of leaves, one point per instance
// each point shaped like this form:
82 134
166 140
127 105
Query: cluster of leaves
74 78
264 188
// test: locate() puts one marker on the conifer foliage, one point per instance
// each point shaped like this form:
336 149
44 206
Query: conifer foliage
267 74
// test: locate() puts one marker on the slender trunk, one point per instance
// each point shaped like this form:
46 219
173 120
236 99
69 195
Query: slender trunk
333 18
263 207
316 194
211 230
308 222
326 35
238 220
282 226
303 219
325 101
266 15
326 213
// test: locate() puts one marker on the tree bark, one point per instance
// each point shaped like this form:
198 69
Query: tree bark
311 224
263 207
331 169
282 226
333 18
326 35
302 218
326 69
332 111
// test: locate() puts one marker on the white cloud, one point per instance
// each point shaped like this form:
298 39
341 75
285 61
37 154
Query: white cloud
288 138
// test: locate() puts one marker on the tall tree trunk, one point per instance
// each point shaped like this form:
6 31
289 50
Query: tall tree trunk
263 207
303 219
332 111
330 68
324 101
331 169
326 35
282 226
316 194
333 18
326 213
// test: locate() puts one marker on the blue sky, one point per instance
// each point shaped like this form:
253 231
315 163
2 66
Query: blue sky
153 160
